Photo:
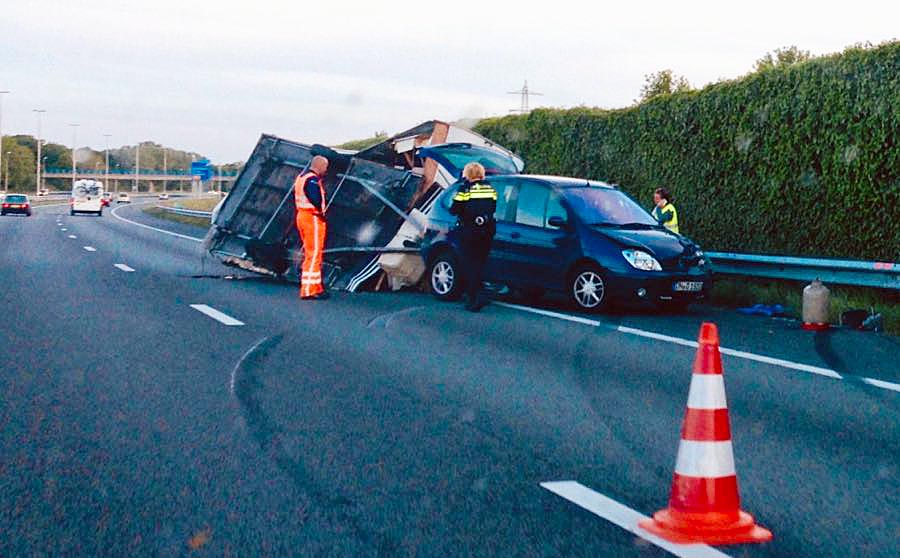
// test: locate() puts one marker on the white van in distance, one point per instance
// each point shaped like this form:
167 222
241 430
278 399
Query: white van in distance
87 197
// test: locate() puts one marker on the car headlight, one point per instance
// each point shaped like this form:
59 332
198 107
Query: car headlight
641 260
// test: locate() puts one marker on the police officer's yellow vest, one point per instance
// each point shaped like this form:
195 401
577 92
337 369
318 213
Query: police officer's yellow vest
672 224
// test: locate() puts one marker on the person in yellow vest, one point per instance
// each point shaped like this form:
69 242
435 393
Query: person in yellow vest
310 201
664 212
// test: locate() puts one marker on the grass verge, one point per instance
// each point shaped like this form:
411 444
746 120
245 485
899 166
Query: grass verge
201 222
734 292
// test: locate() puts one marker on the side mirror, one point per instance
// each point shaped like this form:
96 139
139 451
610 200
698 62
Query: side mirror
557 222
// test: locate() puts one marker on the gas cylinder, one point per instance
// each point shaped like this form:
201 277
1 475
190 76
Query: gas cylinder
816 302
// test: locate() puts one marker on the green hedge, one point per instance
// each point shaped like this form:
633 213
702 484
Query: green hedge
800 160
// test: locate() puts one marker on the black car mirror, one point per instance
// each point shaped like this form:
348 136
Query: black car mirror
557 222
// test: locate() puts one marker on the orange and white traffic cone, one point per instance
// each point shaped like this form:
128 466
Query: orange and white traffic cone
704 506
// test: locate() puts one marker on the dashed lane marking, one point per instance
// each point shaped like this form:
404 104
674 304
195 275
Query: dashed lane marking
826 372
124 267
72 236
90 248
216 315
626 518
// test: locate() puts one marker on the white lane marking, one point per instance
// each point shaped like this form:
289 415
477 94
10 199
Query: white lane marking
576 319
710 460
882 384
241 362
685 342
72 236
123 267
63 229
625 517
785 363
216 315
90 248
707 392
170 233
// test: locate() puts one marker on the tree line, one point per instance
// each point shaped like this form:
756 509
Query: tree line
20 159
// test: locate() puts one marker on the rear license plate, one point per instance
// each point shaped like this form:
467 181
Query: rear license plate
688 286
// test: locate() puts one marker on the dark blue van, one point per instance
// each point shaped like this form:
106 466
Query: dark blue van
583 238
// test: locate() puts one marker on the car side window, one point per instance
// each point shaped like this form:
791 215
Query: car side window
555 209
532 204
506 195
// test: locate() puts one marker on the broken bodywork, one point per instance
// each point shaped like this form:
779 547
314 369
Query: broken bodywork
378 204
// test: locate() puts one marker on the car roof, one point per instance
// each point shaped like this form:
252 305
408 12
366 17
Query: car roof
557 181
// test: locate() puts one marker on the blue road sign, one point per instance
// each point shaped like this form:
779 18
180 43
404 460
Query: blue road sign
201 168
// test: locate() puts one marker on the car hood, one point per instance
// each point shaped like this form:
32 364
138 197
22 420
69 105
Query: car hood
662 244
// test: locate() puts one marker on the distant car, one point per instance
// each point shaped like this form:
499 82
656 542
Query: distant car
43 192
123 198
16 203
87 197
164 196
585 239
106 199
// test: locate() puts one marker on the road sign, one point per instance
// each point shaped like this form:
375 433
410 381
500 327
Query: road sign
201 169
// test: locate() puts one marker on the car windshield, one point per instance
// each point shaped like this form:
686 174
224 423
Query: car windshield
16 199
493 162
123 195
607 207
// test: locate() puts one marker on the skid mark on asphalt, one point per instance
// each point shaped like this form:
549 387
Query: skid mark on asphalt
385 320
268 435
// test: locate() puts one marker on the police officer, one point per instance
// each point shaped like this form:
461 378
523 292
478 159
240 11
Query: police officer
474 206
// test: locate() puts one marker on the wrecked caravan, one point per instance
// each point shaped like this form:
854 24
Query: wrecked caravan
378 204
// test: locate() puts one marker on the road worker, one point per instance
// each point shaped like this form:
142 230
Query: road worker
663 211
310 201
474 205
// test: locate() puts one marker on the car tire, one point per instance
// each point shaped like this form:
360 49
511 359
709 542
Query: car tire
444 277
587 289
28 214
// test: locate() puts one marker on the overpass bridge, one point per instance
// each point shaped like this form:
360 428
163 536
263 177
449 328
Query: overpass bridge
149 179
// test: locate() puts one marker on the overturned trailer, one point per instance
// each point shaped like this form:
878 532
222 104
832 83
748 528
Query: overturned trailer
378 204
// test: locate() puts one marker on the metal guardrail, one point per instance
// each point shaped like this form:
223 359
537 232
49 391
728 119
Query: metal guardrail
884 275
185 212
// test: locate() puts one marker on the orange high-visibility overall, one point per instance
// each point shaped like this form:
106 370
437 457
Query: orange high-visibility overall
312 229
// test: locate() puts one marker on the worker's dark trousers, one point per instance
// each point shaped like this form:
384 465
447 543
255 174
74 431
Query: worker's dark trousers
475 249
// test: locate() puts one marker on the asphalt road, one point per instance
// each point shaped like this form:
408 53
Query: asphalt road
379 424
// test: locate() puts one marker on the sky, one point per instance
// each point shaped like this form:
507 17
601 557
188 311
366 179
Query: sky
211 76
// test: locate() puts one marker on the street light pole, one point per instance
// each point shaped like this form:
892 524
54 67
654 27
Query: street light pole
106 174
74 139
165 169
137 167
1 135
37 185
6 184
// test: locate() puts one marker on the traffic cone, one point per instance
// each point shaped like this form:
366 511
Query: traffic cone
704 506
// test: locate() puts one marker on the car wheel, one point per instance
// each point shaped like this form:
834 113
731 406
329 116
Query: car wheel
587 288
28 214
444 278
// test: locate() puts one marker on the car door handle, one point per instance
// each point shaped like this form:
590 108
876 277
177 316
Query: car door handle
514 235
